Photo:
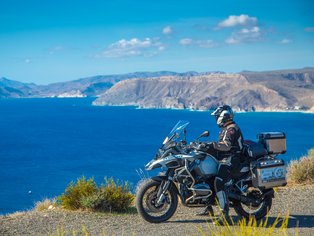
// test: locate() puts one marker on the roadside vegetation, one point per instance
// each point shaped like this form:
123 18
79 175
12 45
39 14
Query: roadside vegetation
243 227
84 194
302 171
46 204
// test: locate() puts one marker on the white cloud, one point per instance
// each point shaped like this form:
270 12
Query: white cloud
27 61
134 47
285 41
55 49
200 43
186 41
245 35
167 30
232 21
231 40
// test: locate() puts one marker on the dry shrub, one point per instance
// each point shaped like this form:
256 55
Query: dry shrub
45 204
85 194
112 196
248 227
302 171
71 198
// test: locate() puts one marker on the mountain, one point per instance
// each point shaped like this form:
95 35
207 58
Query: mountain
96 85
273 90
15 89
248 90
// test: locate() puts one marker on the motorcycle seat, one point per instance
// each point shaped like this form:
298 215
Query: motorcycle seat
253 149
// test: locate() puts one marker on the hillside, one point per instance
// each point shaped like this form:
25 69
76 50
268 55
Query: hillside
15 89
261 91
275 90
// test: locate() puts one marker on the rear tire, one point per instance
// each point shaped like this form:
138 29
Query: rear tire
259 214
147 214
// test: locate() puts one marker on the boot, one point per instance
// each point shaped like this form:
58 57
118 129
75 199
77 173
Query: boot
224 218
207 211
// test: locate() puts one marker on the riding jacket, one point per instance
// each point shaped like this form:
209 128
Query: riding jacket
230 139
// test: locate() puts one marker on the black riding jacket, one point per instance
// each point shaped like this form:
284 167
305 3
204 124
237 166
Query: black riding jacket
230 139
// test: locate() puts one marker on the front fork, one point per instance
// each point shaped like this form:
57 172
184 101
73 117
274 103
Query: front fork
164 187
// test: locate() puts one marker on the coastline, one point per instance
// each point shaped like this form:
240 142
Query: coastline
139 107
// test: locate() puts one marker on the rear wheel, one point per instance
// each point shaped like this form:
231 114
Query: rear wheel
257 211
147 206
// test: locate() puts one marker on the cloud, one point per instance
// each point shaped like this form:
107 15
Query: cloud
186 41
27 61
233 21
134 47
309 29
200 43
285 41
56 49
167 30
245 35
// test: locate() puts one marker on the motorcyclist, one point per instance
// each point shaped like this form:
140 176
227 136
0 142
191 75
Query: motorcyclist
226 149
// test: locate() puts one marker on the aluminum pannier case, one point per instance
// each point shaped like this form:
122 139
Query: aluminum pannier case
269 173
274 142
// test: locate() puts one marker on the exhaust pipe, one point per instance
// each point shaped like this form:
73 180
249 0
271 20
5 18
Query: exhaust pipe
248 200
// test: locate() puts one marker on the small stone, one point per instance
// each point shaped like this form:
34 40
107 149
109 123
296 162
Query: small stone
50 207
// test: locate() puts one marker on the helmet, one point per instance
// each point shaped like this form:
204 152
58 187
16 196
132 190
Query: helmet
223 114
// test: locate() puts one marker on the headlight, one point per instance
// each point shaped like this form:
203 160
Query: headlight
150 166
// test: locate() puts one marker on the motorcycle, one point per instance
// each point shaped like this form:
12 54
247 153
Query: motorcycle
189 174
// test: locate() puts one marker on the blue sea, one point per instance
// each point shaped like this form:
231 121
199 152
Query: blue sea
47 143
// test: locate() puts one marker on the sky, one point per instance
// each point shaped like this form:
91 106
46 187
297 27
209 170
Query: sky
44 42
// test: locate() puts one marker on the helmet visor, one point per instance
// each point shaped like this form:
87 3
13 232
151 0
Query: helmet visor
216 112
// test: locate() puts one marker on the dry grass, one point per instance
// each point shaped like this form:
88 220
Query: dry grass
302 171
45 204
248 228
241 228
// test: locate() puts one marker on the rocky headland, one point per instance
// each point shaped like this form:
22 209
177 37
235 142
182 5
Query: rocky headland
284 90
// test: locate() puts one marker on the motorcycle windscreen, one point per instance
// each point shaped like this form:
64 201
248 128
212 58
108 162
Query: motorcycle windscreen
176 130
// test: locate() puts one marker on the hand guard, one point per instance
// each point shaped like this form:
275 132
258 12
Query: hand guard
205 147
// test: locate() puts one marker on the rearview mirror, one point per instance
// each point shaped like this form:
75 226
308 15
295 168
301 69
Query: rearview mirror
204 134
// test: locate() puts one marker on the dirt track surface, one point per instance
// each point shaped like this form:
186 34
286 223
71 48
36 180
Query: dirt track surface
298 201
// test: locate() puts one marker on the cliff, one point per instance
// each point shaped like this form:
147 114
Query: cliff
261 91
245 91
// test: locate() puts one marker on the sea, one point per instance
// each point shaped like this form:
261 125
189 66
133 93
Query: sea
46 143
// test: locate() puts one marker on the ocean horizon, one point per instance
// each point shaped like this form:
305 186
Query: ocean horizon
45 143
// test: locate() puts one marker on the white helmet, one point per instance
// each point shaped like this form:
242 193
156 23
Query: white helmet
223 114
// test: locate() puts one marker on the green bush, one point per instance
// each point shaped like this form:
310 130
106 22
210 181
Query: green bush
111 196
85 194
71 198
302 171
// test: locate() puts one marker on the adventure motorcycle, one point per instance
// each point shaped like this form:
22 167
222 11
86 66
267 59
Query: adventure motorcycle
190 173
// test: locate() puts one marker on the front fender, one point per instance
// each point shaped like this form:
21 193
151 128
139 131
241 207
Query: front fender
161 178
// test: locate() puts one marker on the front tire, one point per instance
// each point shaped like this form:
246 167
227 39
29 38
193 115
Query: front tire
146 202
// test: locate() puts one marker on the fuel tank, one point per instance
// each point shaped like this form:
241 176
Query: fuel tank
208 166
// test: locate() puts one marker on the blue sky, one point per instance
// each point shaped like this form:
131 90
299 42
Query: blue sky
51 41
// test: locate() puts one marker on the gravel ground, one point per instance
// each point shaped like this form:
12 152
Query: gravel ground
298 201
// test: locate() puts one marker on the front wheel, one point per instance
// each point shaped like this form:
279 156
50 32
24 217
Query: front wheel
256 211
147 206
